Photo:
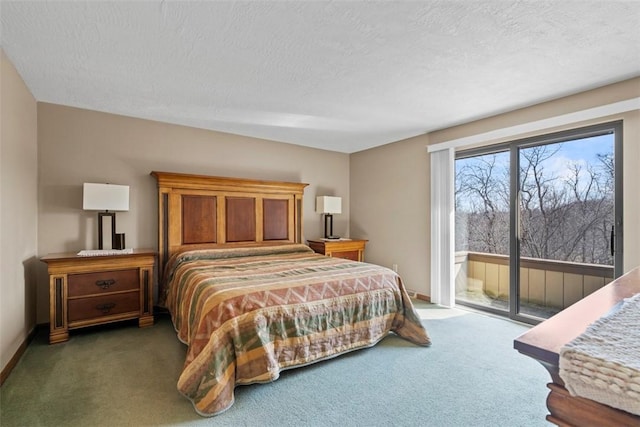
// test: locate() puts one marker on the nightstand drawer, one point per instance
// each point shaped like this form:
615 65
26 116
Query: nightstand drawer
103 282
352 249
351 255
105 305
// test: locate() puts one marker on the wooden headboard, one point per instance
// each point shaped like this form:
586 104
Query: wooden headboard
198 211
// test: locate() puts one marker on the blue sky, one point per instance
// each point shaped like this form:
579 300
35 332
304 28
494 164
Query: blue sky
582 152
587 148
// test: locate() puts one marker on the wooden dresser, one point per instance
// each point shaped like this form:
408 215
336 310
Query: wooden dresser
544 343
352 249
92 290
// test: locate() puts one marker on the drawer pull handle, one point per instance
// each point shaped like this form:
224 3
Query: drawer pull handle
104 284
105 308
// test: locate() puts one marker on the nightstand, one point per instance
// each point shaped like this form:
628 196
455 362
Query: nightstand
352 249
93 290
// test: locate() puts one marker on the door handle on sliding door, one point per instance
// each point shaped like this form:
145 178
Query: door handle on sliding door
518 216
613 240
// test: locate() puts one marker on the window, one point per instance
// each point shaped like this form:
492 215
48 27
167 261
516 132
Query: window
537 221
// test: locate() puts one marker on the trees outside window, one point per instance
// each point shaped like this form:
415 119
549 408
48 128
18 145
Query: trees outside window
566 201
534 221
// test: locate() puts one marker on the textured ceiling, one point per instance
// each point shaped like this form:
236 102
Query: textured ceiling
342 76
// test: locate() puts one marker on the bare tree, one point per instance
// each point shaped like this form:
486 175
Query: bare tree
591 208
484 185
541 203
565 217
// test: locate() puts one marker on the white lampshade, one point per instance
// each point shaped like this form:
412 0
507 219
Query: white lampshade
105 197
328 205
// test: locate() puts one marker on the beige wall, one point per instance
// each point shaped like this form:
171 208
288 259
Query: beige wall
18 210
398 174
390 207
77 146
385 189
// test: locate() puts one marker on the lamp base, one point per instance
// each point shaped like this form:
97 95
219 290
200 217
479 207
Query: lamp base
328 227
101 215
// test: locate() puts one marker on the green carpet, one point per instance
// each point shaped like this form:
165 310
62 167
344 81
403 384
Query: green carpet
125 376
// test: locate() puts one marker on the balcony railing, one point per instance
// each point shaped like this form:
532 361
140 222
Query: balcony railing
550 285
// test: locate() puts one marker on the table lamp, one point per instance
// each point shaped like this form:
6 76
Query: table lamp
106 198
328 205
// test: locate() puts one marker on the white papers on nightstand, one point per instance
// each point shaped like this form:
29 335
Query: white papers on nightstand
104 252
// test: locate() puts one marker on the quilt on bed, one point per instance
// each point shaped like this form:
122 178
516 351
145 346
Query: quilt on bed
603 363
246 314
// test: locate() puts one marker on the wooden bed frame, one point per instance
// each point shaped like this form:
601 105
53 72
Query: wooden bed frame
544 341
197 211
279 309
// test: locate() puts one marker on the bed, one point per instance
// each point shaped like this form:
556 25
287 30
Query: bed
249 299
554 343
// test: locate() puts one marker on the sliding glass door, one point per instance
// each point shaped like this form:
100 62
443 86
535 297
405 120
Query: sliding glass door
538 223
482 229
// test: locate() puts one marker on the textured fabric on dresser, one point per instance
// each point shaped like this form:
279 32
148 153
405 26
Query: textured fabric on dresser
603 364
246 314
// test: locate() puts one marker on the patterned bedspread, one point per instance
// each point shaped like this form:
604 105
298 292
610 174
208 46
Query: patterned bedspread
246 314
